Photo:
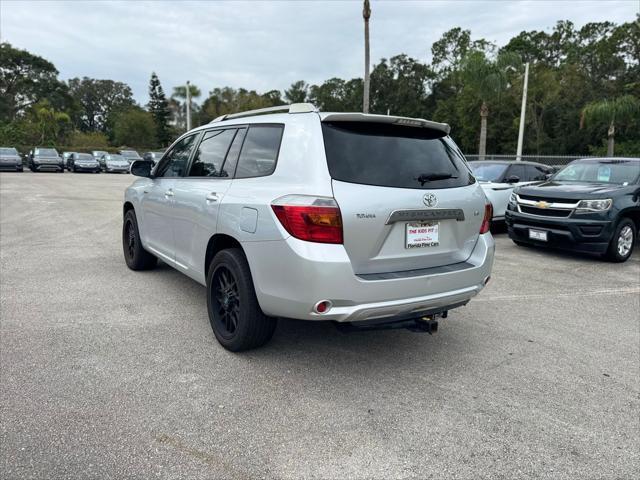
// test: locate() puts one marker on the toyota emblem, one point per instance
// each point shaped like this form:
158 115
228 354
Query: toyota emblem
430 200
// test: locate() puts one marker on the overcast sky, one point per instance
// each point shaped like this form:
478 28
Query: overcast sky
263 45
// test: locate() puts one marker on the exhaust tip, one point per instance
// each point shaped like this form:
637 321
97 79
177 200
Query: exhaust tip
322 306
486 280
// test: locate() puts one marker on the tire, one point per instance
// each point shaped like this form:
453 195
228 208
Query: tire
234 313
622 241
136 257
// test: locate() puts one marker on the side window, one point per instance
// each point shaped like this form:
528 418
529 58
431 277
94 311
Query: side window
175 161
230 163
518 171
535 173
211 152
259 151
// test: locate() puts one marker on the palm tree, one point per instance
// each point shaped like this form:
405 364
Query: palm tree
366 14
612 112
487 78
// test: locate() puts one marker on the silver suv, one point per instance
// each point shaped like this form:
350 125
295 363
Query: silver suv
370 221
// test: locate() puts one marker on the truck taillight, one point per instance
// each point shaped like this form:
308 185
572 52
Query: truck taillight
488 215
314 219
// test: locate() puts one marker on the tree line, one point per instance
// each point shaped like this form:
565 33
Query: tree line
584 92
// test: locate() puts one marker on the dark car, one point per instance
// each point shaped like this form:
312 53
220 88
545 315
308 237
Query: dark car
65 158
42 158
591 206
114 163
130 155
153 156
10 159
83 162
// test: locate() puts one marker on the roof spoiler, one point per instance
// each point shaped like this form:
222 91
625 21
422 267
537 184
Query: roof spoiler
368 117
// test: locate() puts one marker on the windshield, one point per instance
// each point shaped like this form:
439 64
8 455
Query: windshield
84 156
605 171
488 172
388 155
98 153
115 158
8 151
46 151
130 153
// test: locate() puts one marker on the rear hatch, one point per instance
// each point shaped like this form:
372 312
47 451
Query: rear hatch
407 198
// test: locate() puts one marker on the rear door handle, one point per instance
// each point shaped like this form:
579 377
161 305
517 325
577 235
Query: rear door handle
212 197
168 193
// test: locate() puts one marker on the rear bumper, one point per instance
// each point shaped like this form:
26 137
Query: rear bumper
291 276
577 234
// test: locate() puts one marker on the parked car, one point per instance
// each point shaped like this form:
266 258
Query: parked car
153 156
83 162
591 206
499 178
10 159
65 158
42 158
114 163
387 229
97 154
130 155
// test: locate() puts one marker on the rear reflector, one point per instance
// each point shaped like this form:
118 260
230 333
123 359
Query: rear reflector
314 219
488 215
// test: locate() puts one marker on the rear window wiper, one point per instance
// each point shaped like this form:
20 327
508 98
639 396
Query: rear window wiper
431 177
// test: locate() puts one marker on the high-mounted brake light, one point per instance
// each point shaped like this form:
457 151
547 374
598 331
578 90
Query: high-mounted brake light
314 219
488 215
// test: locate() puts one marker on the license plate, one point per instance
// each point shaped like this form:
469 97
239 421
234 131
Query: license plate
419 235
538 235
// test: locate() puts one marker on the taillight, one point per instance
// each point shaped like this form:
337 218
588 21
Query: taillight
314 219
488 215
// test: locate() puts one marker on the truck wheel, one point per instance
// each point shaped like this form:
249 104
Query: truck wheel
622 241
135 255
235 315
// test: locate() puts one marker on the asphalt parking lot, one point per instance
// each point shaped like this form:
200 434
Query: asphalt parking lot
109 373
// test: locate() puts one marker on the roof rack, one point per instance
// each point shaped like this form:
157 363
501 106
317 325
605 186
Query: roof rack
293 108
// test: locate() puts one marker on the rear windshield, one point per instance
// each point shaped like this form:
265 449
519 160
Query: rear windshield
393 156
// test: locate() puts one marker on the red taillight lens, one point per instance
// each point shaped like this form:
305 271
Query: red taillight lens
321 224
486 221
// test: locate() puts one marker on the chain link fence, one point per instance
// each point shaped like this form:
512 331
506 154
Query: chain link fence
552 160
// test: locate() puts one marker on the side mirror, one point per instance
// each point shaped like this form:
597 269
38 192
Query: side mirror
513 179
142 168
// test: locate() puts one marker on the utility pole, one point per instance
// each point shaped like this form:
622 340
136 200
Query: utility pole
522 112
188 101
366 14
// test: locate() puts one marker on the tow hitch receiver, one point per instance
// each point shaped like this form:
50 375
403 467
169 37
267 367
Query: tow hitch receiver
424 323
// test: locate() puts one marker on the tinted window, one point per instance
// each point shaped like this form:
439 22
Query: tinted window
518 171
259 151
211 153
175 162
536 173
393 156
84 156
232 157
